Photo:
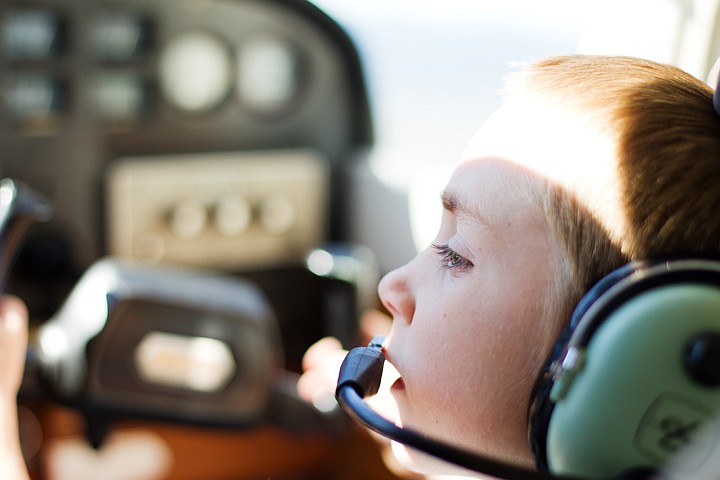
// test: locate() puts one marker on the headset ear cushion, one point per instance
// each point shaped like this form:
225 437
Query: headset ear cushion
631 402
619 378
540 404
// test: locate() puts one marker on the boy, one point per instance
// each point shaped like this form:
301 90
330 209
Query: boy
589 163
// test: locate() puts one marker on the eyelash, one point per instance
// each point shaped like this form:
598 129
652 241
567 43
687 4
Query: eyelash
450 259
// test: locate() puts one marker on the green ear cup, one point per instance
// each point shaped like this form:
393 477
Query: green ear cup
625 398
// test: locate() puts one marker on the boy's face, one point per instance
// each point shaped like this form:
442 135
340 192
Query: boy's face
467 337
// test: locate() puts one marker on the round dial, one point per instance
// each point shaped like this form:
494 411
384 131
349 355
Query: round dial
268 77
195 71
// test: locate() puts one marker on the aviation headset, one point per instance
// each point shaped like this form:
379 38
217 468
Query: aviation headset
635 375
632 380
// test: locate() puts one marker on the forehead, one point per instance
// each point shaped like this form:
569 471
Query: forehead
565 149
552 141
491 190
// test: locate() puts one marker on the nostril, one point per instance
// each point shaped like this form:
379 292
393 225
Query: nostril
396 295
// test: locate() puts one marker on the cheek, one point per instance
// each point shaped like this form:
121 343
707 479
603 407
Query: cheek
473 368
450 352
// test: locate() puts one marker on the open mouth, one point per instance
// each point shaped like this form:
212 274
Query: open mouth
391 374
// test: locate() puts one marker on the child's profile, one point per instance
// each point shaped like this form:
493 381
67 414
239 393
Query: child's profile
589 163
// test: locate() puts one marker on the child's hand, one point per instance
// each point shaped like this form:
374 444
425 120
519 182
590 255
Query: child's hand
321 363
321 366
13 345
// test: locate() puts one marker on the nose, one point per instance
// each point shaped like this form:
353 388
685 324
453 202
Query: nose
396 294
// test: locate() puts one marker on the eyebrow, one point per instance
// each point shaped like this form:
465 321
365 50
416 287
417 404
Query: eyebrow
452 203
449 201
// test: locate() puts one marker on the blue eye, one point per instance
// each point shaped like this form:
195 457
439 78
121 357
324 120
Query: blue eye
450 259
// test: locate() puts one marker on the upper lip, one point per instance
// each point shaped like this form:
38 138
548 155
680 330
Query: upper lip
389 357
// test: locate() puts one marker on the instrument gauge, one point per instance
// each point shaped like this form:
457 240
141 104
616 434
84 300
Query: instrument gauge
269 75
195 72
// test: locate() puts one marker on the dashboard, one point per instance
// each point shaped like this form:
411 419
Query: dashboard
215 136
212 133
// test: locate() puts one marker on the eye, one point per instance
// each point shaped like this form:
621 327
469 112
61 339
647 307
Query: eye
450 259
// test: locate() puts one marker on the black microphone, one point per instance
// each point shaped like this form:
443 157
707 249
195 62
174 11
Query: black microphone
359 378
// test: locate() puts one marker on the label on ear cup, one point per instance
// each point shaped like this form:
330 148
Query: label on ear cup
672 424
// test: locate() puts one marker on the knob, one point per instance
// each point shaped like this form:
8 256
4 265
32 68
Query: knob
702 359
233 215
188 219
277 214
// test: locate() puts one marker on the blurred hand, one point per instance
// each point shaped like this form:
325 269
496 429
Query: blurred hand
13 346
321 363
321 366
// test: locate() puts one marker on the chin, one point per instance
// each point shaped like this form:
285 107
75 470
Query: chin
425 464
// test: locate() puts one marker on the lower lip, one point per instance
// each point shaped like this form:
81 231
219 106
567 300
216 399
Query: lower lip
398 385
